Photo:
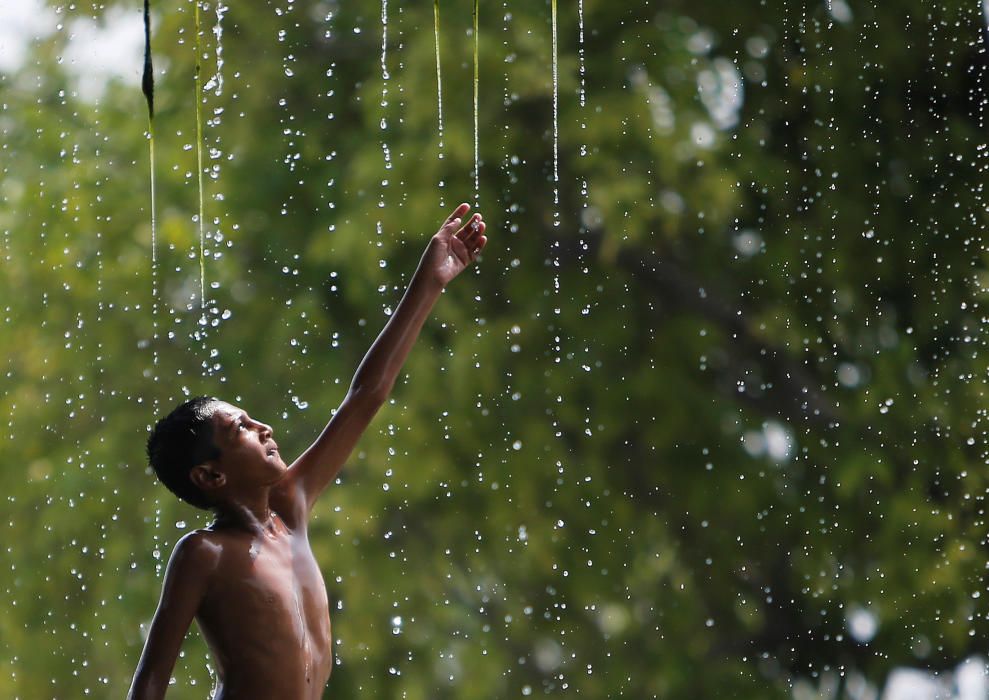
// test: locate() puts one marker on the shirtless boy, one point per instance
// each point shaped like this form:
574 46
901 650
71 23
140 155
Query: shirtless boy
250 579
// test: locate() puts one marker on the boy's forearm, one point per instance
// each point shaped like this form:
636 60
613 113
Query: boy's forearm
379 369
143 688
448 254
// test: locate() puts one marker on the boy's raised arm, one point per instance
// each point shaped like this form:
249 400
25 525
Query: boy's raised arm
185 584
448 254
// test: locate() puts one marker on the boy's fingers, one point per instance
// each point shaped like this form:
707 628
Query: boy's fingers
458 213
472 232
479 246
476 245
470 227
452 226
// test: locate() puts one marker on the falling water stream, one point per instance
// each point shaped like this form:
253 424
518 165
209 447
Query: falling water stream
556 122
216 82
383 124
556 182
582 96
147 86
439 77
554 281
477 151
582 224
385 76
201 217
439 96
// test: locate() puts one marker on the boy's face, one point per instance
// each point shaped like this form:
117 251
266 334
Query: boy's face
248 454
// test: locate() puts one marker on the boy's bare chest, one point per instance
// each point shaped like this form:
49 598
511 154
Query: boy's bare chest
269 591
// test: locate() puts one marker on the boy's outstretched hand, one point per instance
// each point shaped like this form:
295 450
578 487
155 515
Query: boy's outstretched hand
455 246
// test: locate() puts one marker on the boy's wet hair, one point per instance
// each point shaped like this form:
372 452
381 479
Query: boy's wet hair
180 441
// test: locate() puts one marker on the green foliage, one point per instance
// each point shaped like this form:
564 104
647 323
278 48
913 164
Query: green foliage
662 449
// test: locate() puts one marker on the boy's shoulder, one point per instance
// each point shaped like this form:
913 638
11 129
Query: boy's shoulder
199 549
198 538
207 548
191 568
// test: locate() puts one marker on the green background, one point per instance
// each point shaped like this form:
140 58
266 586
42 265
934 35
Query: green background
673 437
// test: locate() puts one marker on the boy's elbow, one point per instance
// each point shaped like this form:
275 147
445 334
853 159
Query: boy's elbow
370 395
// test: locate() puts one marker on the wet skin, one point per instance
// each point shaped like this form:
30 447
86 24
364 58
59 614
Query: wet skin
267 622
250 579
264 598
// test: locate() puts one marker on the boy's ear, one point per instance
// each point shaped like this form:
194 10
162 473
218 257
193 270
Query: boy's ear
206 478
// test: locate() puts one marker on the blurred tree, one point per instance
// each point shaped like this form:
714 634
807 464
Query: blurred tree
708 427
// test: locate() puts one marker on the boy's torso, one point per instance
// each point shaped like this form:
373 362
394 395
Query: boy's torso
265 615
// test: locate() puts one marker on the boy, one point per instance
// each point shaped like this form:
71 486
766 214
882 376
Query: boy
250 579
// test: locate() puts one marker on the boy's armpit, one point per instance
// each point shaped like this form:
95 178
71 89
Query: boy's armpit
289 500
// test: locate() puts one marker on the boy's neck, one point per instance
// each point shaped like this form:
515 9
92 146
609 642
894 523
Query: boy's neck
254 515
